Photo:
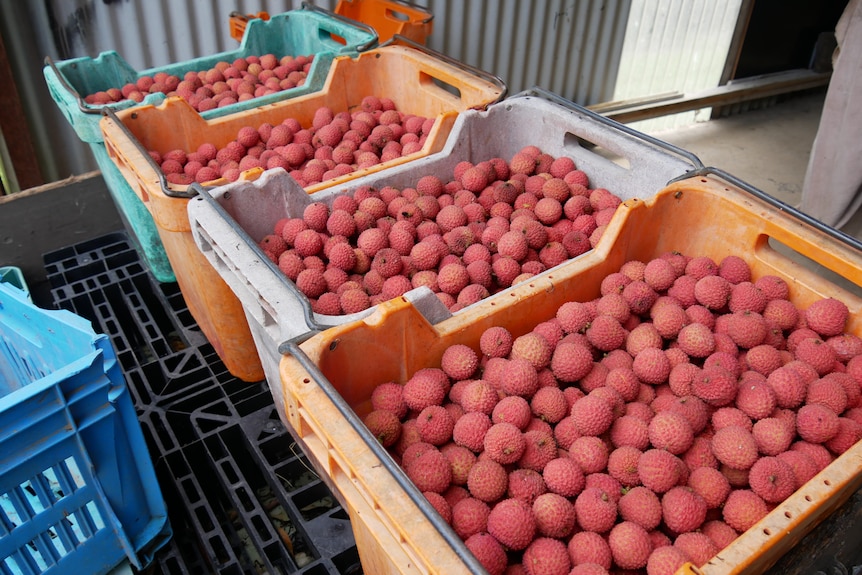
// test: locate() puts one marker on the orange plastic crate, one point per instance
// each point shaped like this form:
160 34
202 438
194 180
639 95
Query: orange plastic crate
237 22
387 17
390 17
327 380
402 73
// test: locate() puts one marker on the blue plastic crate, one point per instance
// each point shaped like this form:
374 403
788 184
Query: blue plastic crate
13 275
77 487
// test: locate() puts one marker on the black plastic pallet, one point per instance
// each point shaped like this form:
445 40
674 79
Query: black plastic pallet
241 495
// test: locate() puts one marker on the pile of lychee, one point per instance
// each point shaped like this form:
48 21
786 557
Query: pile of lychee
638 431
224 84
333 145
492 225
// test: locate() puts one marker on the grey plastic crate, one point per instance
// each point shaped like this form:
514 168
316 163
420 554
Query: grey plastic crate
227 222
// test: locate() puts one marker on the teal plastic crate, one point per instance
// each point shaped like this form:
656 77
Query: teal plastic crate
308 31
13 275
78 490
136 217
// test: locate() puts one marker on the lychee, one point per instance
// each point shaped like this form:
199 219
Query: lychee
735 447
511 522
554 515
743 508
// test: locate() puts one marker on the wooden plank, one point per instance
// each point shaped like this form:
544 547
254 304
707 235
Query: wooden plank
50 217
16 132
732 93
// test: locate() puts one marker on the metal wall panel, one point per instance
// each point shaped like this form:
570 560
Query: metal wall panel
571 47
675 45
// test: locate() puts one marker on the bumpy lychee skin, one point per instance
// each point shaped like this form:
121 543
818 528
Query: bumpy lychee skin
478 395
849 432
470 516
735 447
504 443
430 471
772 435
683 509
526 485
827 316
630 545
435 425
564 476
534 348
520 378
554 514
642 506
772 479
665 560
659 470
540 449
789 387
470 429
756 399
817 353
571 362
671 431
546 556
487 480
384 425
710 484
511 522
388 396
591 453
592 415
713 292
489 552
715 385
743 509
829 392
428 386
459 361
596 510
496 342
606 333
803 466
697 546
720 532
816 423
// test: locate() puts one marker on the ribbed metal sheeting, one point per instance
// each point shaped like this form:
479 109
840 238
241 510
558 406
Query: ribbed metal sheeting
675 45
571 47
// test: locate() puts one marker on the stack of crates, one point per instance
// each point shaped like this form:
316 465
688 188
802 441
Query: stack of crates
415 78
306 32
388 18
78 489
321 369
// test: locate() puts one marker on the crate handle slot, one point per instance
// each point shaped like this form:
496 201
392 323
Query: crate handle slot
405 17
348 21
487 76
613 124
776 203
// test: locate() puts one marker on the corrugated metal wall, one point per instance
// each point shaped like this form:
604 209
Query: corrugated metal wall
571 47
675 45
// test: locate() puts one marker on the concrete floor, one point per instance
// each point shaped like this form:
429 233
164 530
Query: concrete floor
766 147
